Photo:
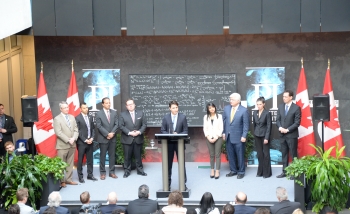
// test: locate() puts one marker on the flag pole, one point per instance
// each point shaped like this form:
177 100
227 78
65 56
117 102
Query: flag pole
72 66
302 62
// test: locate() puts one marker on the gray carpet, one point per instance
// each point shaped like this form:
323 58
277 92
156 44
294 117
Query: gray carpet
223 189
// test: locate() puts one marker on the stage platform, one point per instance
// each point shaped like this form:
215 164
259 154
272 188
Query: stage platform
260 191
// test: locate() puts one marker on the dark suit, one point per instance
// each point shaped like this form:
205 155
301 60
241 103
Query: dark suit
104 128
108 209
291 121
132 144
9 124
262 130
243 209
234 131
180 128
83 147
59 210
284 207
142 206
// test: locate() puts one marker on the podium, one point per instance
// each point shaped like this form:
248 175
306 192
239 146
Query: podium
163 193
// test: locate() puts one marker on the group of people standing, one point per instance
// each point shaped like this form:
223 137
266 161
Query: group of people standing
233 126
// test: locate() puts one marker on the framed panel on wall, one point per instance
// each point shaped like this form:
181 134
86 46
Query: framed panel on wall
335 15
170 17
310 16
43 15
139 17
107 18
245 16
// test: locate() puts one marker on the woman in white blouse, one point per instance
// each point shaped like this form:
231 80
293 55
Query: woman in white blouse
213 127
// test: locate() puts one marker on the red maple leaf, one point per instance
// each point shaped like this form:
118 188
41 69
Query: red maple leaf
332 124
44 118
305 115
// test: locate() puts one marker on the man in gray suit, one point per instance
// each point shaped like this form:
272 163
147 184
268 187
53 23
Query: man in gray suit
66 130
107 126
284 206
132 125
22 197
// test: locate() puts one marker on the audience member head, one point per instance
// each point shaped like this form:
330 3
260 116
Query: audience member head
262 210
22 195
228 209
54 199
112 198
85 197
9 147
14 209
118 211
281 194
241 198
206 202
175 197
191 211
211 109
2 109
50 210
298 211
143 191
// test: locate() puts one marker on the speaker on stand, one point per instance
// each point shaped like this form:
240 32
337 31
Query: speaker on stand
30 115
321 111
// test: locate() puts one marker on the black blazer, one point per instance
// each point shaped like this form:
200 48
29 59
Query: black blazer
83 129
126 125
108 209
284 207
104 127
59 210
181 124
10 127
262 125
291 121
142 206
243 209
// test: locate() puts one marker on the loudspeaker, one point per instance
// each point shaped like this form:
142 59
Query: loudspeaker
29 109
321 107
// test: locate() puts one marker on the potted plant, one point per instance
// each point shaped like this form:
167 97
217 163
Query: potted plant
119 152
249 147
329 176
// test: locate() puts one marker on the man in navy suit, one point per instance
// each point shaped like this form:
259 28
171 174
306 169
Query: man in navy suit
112 204
55 201
288 121
85 142
236 127
7 128
107 126
175 123
132 124
240 207
284 206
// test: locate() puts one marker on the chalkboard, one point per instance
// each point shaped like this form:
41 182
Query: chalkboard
152 94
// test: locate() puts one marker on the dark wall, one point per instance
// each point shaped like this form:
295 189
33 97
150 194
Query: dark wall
199 54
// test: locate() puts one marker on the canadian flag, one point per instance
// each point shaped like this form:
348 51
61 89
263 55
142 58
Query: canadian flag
332 132
43 133
306 129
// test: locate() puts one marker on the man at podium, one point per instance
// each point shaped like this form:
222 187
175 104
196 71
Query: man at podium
174 123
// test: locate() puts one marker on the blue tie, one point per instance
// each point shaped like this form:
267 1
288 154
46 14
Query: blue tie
67 119
286 111
88 125
174 124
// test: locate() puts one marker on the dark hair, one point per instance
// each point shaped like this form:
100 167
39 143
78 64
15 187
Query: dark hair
82 103
129 100
207 203
50 210
173 102
175 197
291 94
103 99
228 209
14 209
262 210
261 99
191 211
208 113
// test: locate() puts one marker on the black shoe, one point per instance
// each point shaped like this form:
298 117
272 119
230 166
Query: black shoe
212 176
240 176
126 174
281 175
81 180
267 176
186 189
92 178
142 173
169 188
217 177
231 174
258 175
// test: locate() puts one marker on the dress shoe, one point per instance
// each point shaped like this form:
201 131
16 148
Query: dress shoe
217 177
186 189
92 178
142 173
240 176
231 174
281 175
81 180
113 175
63 184
211 176
258 175
102 177
71 183
126 174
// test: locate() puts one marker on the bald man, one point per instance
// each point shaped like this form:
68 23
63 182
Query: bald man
240 207
112 204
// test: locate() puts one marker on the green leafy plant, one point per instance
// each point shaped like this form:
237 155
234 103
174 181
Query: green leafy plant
330 176
119 152
55 166
21 172
249 147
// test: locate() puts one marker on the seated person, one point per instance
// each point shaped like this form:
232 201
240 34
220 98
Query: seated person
87 207
143 205
14 209
175 203
22 197
112 204
55 201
